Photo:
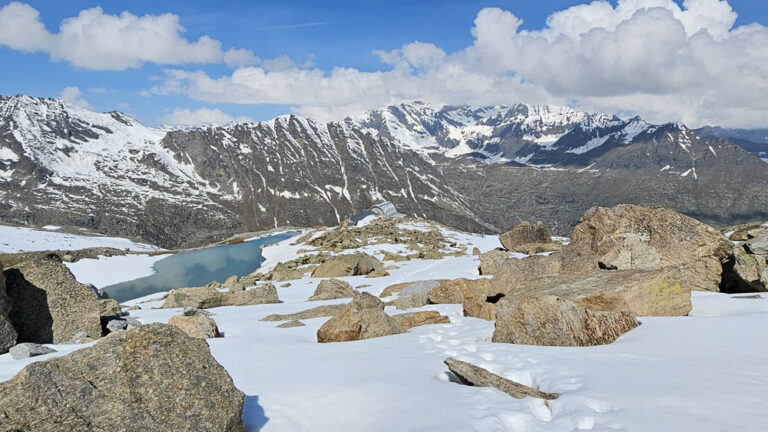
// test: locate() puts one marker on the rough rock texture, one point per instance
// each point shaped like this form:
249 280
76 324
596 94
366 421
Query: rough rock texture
758 245
29 349
553 321
190 311
49 304
110 308
415 319
411 288
742 271
664 292
477 376
524 233
116 324
363 318
293 323
330 289
204 298
317 312
630 237
410 302
153 378
8 334
471 293
197 326
347 265
492 261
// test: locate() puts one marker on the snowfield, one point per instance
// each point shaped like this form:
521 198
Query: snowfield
22 239
704 372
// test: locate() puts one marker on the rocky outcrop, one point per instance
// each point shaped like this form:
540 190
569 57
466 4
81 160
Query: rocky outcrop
49 304
492 261
758 243
153 378
638 259
330 289
357 264
204 298
518 238
29 349
742 271
411 288
409 302
473 294
8 334
553 321
363 318
316 312
479 377
414 319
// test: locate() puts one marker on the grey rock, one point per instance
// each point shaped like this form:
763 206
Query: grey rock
154 378
49 304
420 287
8 334
316 312
552 321
191 311
330 289
198 326
363 318
29 349
479 377
759 244
204 298
117 324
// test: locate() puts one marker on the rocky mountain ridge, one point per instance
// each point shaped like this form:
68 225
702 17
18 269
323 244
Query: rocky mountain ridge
479 169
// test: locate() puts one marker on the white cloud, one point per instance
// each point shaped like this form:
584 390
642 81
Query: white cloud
95 40
74 96
200 117
650 57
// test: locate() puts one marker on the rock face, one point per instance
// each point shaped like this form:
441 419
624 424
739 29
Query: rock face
414 319
477 376
523 234
638 259
347 265
742 272
204 297
363 318
7 332
492 261
330 289
197 326
471 293
29 349
552 321
758 245
153 378
409 302
49 304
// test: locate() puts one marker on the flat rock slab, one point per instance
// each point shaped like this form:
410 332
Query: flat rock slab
28 349
316 312
477 376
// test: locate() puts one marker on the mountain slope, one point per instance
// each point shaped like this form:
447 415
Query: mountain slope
479 169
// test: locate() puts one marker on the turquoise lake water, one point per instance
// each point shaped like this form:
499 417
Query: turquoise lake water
197 268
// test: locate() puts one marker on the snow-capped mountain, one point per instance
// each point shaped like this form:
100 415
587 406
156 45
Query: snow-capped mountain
476 168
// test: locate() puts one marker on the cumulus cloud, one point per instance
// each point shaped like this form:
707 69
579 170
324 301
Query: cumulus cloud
74 96
650 57
200 117
95 40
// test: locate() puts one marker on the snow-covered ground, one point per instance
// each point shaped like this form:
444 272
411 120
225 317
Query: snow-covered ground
704 372
105 271
23 239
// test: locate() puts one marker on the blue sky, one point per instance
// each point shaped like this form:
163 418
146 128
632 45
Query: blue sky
317 36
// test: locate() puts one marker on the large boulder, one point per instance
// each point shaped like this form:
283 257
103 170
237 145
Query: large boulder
29 349
553 321
471 293
207 297
357 264
316 312
523 234
330 289
631 237
49 304
742 271
664 292
153 378
8 334
196 326
493 261
363 318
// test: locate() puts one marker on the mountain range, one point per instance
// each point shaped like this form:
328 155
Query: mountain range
474 168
